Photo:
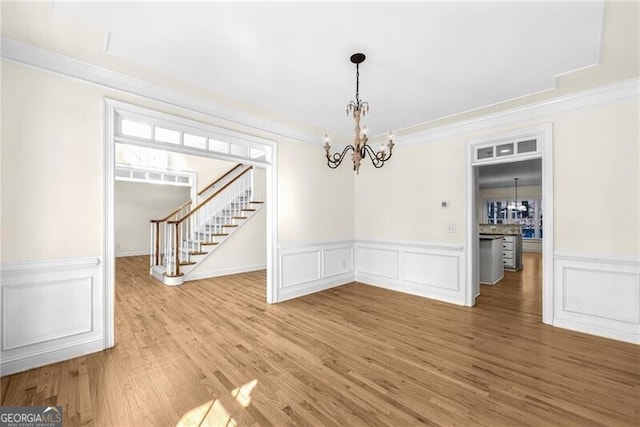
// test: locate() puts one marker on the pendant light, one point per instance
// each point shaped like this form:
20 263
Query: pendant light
515 206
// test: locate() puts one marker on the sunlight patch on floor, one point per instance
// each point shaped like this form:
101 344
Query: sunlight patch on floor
214 414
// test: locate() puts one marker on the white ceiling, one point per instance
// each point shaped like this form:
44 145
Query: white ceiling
528 172
424 60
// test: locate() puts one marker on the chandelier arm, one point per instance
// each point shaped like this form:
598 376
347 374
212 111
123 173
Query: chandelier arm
377 159
334 160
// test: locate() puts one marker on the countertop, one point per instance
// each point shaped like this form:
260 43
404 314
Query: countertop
491 236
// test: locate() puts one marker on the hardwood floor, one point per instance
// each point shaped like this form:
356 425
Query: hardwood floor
212 352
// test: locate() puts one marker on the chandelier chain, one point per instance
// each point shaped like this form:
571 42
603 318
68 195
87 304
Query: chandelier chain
358 86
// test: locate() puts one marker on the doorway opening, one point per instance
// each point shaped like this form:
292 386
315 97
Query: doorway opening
492 162
135 126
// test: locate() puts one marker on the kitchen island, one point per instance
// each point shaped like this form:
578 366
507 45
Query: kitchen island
491 265
511 243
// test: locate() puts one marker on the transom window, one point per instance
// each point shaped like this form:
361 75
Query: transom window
151 131
507 149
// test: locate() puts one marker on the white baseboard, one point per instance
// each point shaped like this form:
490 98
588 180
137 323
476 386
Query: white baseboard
52 310
598 294
120 254
30 361
224 272
315 286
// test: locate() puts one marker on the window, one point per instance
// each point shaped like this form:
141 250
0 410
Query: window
508 149
136 155
152 129
133 128
528 213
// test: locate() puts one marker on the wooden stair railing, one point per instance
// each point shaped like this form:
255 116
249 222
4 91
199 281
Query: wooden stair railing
193 230
181 211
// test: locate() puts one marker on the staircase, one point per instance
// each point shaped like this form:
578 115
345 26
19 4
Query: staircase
189 235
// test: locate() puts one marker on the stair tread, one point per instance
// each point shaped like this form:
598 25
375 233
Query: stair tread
198 253
240 217
209 243
249 210
255 201
230 225
187 263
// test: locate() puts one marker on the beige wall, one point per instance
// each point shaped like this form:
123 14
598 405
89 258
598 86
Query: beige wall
136 203
596 184
53 164
314 202
402 201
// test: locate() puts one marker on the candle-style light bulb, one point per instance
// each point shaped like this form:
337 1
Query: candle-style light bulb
365 130
390 136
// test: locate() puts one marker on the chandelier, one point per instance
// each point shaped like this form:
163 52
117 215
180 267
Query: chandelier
514 206
360 147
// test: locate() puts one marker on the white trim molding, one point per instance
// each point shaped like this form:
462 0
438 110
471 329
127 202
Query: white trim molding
430 270
543 134
598 294
141 252
27 54
308 267
66 319
587 98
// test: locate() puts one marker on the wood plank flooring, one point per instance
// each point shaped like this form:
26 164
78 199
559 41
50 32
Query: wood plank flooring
212 352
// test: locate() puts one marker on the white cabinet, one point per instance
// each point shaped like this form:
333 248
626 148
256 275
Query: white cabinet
491 264
512 252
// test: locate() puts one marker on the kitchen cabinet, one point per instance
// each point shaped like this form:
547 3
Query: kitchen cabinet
512 252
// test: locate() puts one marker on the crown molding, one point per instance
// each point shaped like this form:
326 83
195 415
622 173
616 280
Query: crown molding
27 54
597 96
24 53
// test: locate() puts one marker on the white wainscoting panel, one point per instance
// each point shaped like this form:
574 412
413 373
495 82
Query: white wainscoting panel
598 294
338 261
376 261
310 267
52 310
424 269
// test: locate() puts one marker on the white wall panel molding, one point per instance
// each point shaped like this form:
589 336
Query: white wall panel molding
597 96
431 270
24 53
52 310
308 267
598 294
